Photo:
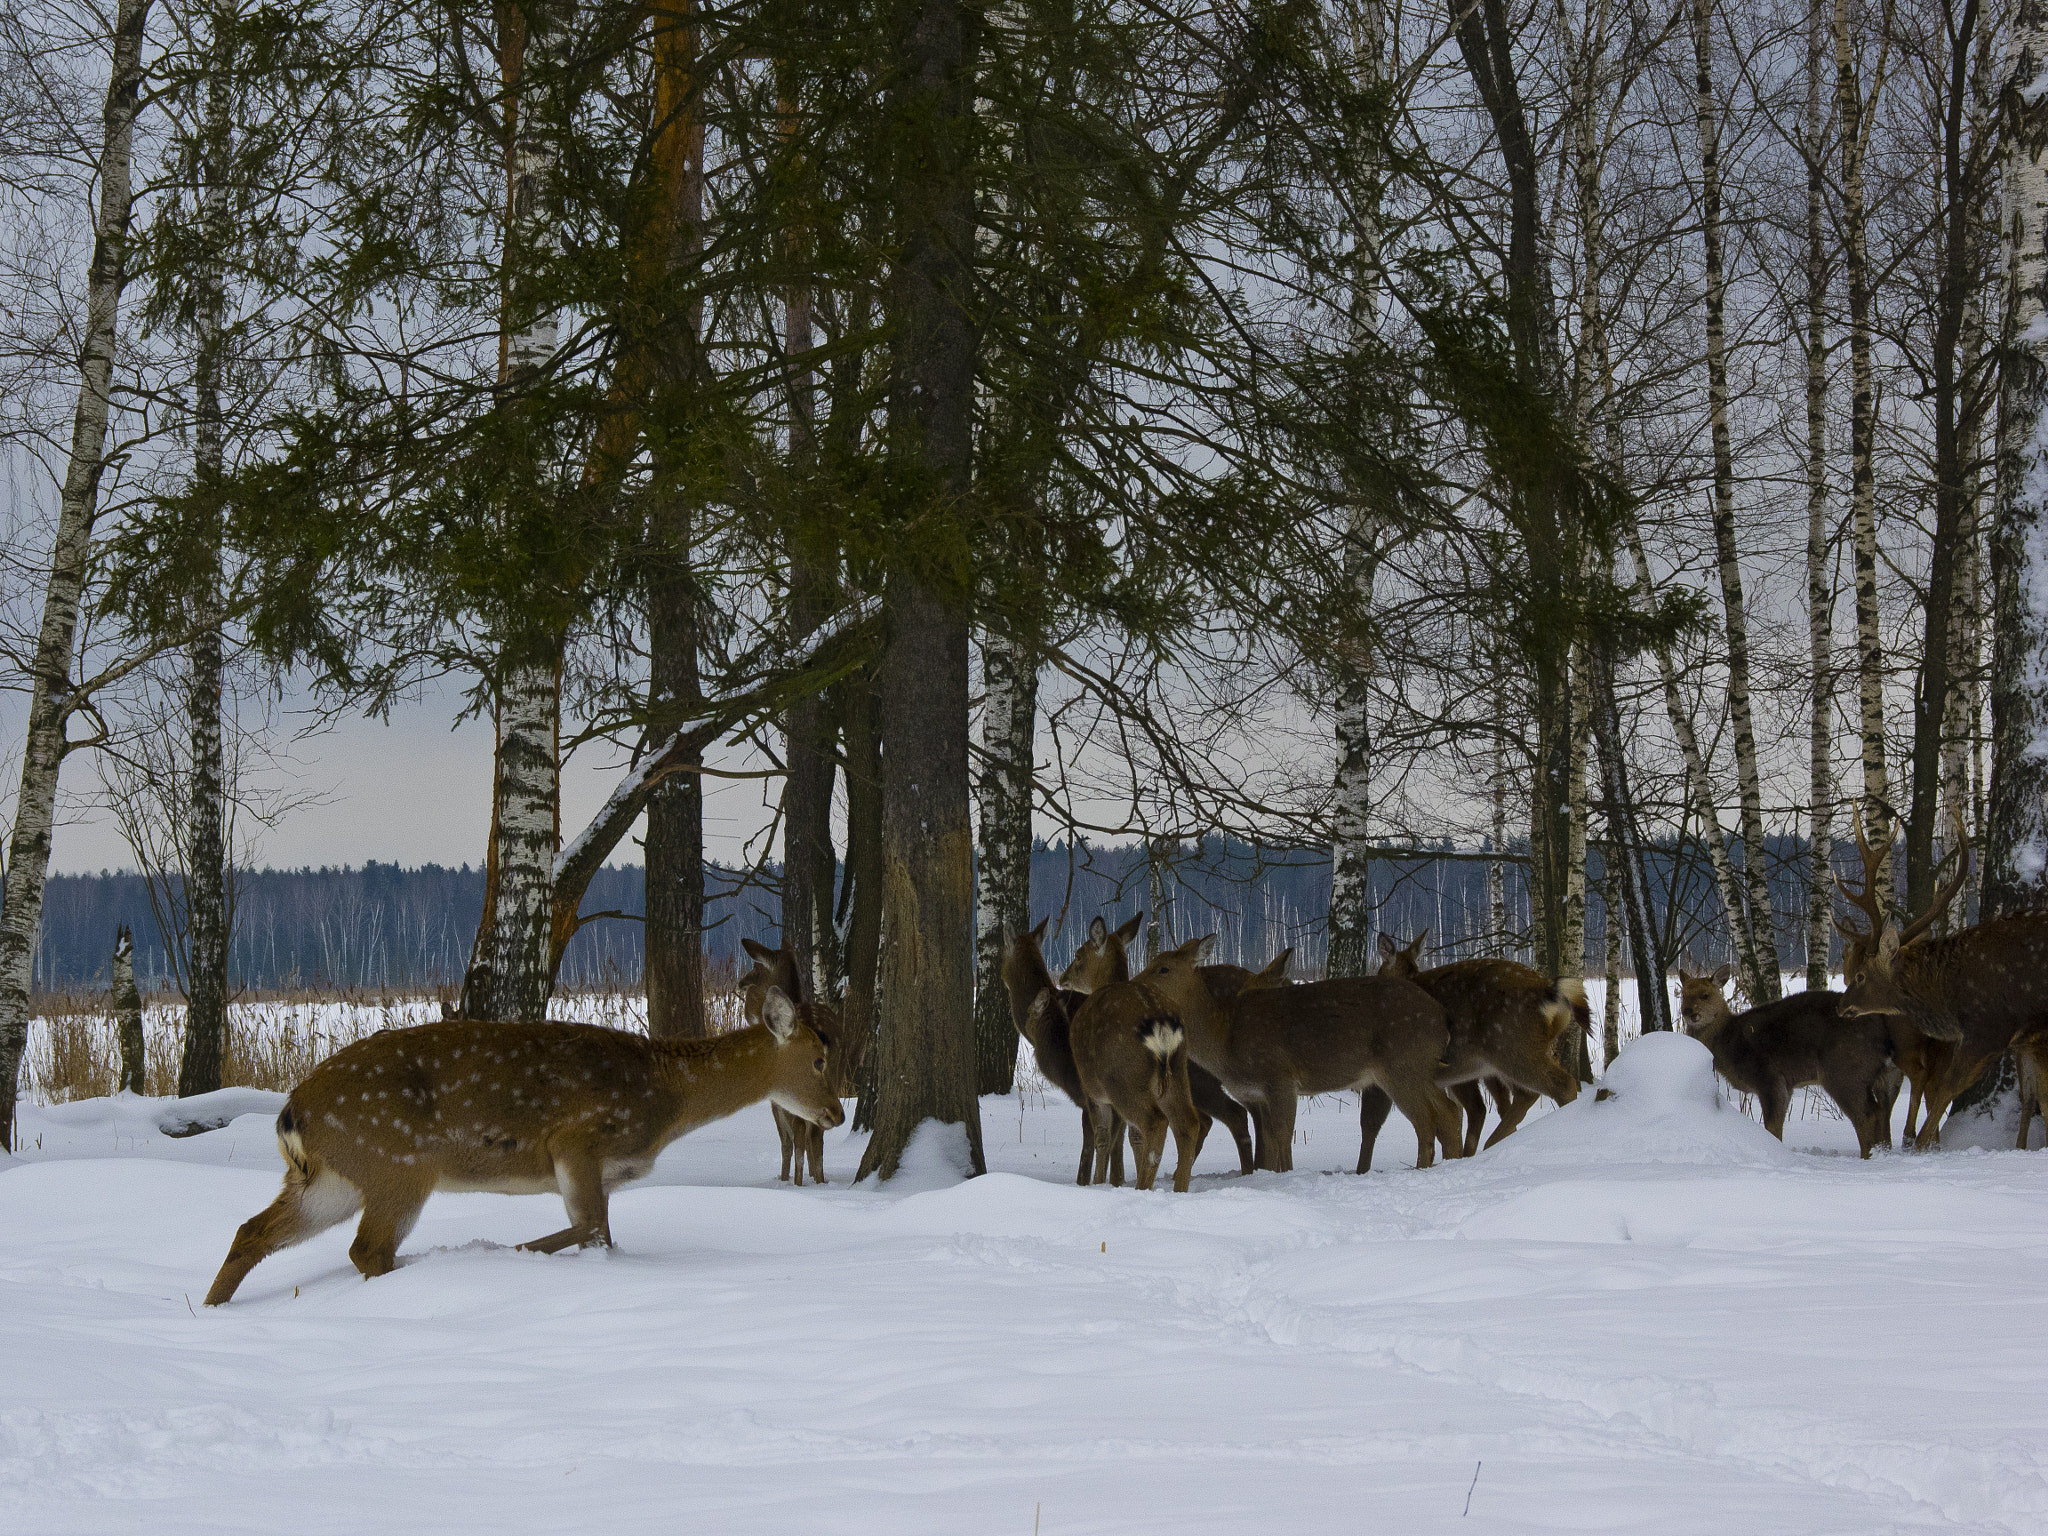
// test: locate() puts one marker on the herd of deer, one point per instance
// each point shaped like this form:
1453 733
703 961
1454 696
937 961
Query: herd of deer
579 1110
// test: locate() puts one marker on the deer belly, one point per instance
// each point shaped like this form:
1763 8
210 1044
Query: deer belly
469 1182
624 1170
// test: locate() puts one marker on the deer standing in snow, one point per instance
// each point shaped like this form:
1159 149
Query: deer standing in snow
515 1109
802 1140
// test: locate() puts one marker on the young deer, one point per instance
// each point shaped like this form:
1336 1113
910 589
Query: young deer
801 1140
1043 1014
1505 1021
1103 959
516 1109
1954 1005
1801 1039
1270 1045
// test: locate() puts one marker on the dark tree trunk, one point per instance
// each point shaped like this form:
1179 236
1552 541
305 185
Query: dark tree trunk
675 812
859 911
128 1016
1653 1000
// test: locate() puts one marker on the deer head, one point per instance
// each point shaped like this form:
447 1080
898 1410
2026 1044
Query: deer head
1101 959
1870 958
1702 1004
1396 961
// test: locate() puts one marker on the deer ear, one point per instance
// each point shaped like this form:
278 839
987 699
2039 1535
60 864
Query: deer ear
1275 973
1888 946
1038 933
757 949
1201 946
779 1014
1415 948
1129 930
1098 930
1722 973
1388 948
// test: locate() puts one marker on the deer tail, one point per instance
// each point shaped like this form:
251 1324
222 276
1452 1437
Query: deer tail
1164 1040
1567 1005
291 1143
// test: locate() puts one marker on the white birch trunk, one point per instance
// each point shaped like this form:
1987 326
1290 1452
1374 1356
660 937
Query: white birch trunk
1351 803
1574 946
1002 875
51 699
205 842
128 1016
1820 594
1853 110
2016 855
1761 977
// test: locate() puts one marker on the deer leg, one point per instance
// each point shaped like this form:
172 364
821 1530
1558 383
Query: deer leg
815 1136
1148 1146
1474 1107
1774 1100
1279 1127
1450 1119
1909 1134
1087 1148
1238 1125
1187 1142
389 1212
580 1177
782 1119
1373 1108
1419 1104
1116 1150
302 1208
1514 1105
1107 1133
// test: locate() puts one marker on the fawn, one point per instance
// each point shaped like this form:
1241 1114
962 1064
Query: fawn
801 1139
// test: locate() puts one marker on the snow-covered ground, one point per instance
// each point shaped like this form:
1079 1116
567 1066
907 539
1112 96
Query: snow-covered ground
1640 1314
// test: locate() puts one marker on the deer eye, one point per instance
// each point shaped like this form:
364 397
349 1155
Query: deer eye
819 1064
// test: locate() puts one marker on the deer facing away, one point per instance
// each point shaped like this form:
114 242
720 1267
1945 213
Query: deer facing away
1797 1040
1043 1013
516 1109
1102 959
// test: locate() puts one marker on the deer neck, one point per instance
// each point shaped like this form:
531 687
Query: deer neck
718 1077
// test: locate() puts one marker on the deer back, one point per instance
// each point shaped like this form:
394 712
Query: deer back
1983 988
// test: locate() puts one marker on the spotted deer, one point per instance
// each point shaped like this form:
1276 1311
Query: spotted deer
1797 1040
1954 1005
1103 958
1505 1021
802 1141
516 1109
1271 1044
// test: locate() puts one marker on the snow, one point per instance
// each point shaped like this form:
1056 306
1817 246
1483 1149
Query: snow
1638 1313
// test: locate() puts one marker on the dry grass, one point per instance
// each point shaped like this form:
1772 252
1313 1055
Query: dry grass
274 1039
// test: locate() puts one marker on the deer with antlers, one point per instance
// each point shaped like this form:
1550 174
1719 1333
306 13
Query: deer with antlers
1954 1004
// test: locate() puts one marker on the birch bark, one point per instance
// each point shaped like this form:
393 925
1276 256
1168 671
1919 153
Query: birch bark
2016 853
1855 112
53 698
1820 592
206 890
1002 877
128 1016
1761 979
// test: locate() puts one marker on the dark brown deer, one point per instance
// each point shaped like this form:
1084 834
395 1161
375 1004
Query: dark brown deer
1505 1021
801 1140
1270 1045
1955 1004
1795 1041
1043 1014
517 1109
1102 960
1131 1051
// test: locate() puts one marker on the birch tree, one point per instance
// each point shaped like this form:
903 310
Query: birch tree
55 697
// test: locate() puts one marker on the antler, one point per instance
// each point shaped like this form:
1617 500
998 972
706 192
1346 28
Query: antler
1866 899
1947 893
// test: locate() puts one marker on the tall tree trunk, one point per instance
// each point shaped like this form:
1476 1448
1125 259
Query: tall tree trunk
1931 695
52 698
1610 902
1625 838
925 1069
1351 803
1574 945
128 1015
514 939
205 842
1496 868
2016 851
859 912
1820 592
1756 875
1002 882
1853 111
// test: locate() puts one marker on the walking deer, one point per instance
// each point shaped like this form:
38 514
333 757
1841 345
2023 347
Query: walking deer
515 1109
1271 1044
1797 1040
1954 1004
801 1139
1103 959
1505 1021
1043 1014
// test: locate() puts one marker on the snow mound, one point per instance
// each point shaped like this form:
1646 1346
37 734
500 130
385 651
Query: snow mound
1659 1104
937 1158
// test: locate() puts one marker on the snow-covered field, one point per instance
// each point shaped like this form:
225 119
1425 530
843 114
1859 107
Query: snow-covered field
1641 1314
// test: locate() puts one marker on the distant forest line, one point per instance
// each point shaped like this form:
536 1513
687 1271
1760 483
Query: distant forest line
388 927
